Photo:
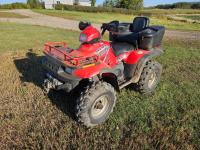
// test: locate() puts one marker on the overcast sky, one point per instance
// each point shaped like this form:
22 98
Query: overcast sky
146 2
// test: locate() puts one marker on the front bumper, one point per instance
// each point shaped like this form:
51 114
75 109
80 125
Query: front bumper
56 77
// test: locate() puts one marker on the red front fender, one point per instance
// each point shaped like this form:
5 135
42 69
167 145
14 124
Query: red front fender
90 72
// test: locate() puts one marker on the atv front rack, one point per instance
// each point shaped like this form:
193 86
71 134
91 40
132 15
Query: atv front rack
61 51
57 49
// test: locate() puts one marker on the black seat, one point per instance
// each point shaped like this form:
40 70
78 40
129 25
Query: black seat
120 48
132 35
139 24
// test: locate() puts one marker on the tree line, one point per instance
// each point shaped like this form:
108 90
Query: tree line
128 4
180 5
35 3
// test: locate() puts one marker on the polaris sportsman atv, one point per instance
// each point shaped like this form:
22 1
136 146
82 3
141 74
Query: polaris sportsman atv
105 66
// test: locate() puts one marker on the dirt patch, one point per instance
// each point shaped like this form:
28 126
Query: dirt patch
183 34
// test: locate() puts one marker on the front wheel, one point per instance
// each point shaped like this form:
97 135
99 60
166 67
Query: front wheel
95 104
150 77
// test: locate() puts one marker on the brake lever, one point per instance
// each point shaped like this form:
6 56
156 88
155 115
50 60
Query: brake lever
104 28
102 33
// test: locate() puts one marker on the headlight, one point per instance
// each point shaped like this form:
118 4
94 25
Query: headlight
83 38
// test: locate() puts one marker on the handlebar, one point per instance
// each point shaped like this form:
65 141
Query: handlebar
111 27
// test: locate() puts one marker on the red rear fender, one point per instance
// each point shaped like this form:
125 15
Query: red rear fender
135 56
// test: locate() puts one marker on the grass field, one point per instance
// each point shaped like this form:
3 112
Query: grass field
22 37
193 17
10 15
169 119
160 19
170 11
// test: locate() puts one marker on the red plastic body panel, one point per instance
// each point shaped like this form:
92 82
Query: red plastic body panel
90 59
91 33
135 56
90 71
106 59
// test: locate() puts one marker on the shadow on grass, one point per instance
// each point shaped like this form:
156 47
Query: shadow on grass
32 72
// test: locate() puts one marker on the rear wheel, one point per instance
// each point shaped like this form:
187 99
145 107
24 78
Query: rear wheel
95 104
150 77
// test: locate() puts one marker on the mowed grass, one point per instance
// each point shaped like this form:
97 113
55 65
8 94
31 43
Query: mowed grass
169 119
158 18
11 15
171 11
194 17
15 37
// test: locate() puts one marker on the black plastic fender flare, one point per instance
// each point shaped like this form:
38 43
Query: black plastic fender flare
142 62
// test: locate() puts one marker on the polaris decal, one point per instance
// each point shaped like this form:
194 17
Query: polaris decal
102 50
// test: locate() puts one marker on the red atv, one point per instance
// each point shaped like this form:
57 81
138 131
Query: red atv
105 66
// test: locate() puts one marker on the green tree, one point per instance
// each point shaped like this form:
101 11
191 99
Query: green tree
76 2
182 5
128 4
196 6
110 3
34 3
93 3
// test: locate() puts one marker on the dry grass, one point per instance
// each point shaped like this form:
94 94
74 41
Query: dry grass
24 107
193 17
10 15
170 119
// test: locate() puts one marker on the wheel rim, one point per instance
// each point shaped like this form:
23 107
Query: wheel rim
100 106
152 80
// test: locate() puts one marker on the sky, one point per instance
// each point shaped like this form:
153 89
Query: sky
146 2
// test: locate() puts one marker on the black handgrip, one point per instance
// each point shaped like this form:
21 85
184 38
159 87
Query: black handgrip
112 26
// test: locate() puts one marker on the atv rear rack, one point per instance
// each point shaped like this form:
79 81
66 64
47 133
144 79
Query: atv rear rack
61 51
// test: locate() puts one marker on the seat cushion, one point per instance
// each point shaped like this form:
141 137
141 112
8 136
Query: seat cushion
127 37
139 24
130 33
122 47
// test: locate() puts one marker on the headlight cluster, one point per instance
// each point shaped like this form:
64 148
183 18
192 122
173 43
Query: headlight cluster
83 38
